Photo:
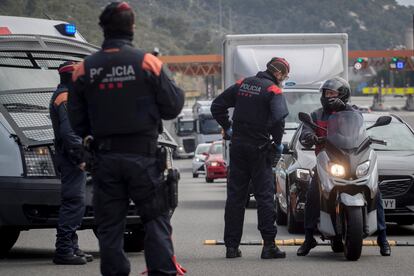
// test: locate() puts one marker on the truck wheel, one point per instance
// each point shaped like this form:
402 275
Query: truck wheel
281 218
195 175
209 180
352 234
134 240
337 245
8 237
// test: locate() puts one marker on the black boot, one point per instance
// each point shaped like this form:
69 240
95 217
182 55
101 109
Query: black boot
80 253
233 252
306 247
69 260
271 251
382 242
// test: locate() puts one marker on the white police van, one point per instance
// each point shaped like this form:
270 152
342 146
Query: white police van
30 52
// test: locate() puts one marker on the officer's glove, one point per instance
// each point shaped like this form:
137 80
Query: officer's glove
336 104
228 133
309 139
278 148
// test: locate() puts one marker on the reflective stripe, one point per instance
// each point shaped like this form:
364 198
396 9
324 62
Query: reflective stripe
274 89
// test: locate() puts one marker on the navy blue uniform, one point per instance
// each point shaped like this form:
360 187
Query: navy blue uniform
259 111
120 96
69 155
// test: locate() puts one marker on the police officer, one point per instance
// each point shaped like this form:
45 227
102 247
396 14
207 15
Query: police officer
259 110
335 95
120 96
70 162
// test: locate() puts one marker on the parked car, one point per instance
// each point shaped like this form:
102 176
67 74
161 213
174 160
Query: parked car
199 158
215 165
395 167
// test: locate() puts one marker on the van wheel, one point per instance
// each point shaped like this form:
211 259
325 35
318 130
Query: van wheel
134 240
195 175
209 180
8 237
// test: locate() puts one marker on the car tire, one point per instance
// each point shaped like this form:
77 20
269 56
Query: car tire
134 240
195 175
281 218
209 180
8 237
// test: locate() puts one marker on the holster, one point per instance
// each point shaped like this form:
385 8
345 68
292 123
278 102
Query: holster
163 200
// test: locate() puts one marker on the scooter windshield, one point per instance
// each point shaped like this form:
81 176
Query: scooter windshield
346 129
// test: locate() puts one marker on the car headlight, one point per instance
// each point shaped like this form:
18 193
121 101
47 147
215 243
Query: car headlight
39 162
214 164
198 159
303 175
337 170
362 169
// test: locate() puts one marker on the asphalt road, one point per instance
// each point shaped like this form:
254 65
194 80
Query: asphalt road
199 217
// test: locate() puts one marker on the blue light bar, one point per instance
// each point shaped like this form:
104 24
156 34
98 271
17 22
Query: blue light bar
67 29
70 29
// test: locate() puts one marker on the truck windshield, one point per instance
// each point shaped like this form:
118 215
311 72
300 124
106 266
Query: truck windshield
209 126
185 127
300 102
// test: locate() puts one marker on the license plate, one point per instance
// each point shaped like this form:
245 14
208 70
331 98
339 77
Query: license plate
389 203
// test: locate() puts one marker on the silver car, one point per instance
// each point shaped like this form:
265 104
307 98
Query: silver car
199 158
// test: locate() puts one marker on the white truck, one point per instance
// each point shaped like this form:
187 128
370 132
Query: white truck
182 130
313 58
207 128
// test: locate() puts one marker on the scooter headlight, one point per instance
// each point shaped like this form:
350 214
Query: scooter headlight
362 169
337 170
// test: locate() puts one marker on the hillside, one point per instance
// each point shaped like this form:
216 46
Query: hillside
193 26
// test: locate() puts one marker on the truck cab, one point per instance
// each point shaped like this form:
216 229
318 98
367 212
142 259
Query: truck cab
207 128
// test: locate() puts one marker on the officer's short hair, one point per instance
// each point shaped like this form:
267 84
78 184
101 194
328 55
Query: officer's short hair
117 17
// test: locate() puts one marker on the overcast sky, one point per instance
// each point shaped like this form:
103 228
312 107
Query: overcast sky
406 2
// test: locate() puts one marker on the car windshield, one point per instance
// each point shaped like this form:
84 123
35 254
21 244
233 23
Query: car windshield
216 149
301 102
346 129
397 135
186 126
202 148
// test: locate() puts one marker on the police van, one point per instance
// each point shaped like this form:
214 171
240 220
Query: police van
30 52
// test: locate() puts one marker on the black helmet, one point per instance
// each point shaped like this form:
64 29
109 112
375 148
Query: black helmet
336 84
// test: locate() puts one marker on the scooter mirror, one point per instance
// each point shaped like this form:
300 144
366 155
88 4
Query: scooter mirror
306 119
381 121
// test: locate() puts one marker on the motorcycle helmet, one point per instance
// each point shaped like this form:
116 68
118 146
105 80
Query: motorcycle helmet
335 84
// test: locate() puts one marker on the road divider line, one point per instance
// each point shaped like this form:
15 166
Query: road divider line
296 242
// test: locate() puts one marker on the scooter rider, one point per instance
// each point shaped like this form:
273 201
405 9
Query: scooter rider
259 110
335 95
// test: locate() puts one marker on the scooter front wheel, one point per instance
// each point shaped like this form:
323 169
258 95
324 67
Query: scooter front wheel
352 234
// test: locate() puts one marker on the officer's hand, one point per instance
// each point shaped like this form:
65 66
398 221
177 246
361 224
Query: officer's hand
228 134
336 104
82 166
310 139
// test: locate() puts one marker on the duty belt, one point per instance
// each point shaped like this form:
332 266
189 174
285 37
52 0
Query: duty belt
127 144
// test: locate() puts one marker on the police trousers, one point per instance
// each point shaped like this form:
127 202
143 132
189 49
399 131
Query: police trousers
72 206
248 164
118 178
312 207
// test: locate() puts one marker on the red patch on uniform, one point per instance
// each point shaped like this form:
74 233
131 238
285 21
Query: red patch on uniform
274 89
119 84
102 86
111 85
